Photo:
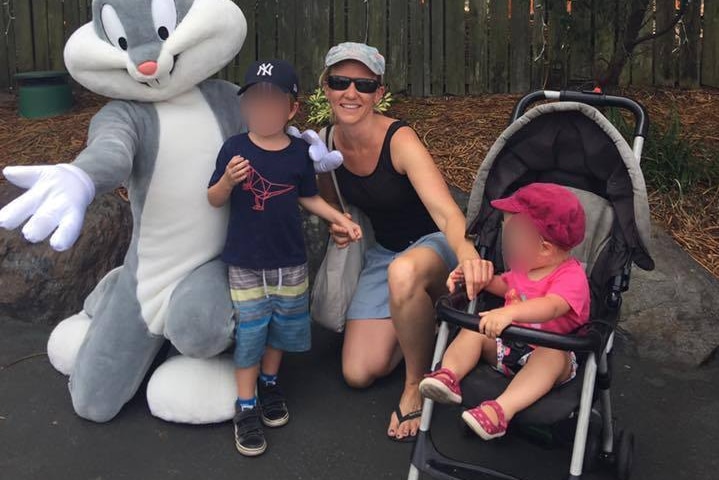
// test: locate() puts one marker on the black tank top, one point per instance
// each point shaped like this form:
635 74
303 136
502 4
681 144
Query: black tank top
387 197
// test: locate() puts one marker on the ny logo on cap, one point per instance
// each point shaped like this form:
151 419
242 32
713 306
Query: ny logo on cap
265 70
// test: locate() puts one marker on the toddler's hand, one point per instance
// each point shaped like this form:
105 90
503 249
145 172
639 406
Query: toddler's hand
237 170
353 230
455 276
494 322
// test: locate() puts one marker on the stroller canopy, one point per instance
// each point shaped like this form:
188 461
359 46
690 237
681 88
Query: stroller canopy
574 145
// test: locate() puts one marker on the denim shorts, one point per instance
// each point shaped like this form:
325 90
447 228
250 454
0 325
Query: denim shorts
371 299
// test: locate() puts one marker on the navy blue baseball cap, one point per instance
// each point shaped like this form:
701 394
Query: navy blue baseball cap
277 72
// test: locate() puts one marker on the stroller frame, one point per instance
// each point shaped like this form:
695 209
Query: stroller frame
596 342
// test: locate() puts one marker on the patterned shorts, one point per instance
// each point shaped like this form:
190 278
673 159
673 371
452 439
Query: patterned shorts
272 308
512 356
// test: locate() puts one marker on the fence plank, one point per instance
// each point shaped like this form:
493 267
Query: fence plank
84 10
56 34
357 21
339 21
266 29
520 47
710 46
454 38
478 37
71 15
689 53
558 34
580 44
436 64
287 30
23 36
248 54
416 47
498 46
641 61
397 47
377 33
5 71
605 29
540 54
40 35
665 59
313 20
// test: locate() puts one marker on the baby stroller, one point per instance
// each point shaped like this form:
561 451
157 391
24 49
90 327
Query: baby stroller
568 142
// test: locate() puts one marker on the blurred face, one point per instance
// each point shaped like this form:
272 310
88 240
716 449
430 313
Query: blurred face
348 89
267 109
523 246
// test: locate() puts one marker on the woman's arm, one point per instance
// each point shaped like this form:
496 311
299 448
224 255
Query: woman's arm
327 191
410 157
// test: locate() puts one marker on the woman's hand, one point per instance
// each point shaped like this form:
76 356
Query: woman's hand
475 272
353 230
494 322
236 171
340 234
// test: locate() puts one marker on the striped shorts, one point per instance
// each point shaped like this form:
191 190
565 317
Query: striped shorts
272 308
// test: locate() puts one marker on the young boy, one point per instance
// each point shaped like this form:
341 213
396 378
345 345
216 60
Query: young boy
264 174
545 288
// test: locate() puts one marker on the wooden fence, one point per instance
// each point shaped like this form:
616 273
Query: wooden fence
433 47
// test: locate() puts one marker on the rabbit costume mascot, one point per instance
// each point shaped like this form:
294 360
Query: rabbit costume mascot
159 136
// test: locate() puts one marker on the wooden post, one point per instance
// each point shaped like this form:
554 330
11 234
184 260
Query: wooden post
581 44
313 22
689 50
454 40
437 50
559 44
266 30
417 59
540 46
248 54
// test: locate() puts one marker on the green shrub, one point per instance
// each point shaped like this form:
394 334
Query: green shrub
320 112
670 160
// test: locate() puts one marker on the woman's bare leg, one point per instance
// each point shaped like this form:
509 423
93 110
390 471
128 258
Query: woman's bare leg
416 279
370 351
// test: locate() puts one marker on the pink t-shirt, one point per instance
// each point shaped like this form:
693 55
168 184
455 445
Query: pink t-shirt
568 281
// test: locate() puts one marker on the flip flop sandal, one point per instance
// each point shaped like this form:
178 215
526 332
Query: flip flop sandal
480 423
403 418
441 386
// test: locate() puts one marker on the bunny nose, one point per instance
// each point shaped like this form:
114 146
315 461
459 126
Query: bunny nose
147 68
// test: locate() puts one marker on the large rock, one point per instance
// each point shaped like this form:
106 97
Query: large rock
672 312
40 285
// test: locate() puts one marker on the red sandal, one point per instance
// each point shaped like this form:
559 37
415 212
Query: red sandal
441 386
478 420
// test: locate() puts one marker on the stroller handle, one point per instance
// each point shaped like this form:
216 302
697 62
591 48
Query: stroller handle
590 341
596 99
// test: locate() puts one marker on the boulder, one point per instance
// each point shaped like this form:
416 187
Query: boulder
40 285
672 312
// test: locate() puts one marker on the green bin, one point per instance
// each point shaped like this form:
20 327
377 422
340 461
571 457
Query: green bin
43 94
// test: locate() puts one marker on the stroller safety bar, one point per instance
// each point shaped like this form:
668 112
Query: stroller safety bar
591 341
596 99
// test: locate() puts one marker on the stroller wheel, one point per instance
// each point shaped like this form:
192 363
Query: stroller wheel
624 454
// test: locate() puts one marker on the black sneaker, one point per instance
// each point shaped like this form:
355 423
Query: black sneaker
273 405
249 436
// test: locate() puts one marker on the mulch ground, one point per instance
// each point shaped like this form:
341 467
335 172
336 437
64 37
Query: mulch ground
458 132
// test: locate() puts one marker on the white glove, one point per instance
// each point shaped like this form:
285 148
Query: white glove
57 198
325 160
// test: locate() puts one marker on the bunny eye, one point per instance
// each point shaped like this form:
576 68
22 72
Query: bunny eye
164 16
111 24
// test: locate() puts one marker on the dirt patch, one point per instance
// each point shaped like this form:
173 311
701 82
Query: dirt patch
458 132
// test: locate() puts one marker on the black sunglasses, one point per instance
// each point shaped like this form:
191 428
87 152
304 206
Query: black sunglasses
363 85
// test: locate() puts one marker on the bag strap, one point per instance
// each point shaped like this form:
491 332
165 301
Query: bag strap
329 141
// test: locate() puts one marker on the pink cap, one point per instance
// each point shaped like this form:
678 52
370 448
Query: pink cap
556 212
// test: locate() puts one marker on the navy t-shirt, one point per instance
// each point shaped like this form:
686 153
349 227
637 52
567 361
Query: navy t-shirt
265 226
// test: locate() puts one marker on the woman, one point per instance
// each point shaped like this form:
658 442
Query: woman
420 233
